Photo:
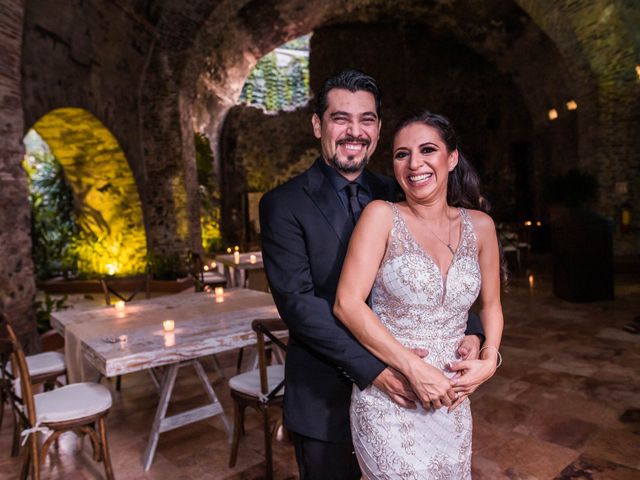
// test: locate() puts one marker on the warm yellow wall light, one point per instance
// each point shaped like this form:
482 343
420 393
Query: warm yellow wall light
638 71
553 114
572 105
105 193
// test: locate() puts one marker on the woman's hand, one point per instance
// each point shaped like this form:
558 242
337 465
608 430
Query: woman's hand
430 385
470 375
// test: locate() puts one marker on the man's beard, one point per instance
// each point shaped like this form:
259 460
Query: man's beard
349 166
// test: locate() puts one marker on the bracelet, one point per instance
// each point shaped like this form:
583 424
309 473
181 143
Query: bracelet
497 351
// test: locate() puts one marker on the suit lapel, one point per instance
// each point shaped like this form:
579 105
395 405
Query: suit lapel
325 197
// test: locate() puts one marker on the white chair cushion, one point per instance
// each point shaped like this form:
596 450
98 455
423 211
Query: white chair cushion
71 402
249 382
213 277
47 362
43 363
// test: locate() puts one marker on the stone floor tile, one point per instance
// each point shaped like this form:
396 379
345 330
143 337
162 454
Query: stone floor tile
563 405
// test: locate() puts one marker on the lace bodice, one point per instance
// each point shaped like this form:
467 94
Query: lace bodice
421 306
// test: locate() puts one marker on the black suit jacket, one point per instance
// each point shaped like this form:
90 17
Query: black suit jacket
305 233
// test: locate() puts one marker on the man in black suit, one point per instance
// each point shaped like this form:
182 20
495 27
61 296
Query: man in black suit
306 225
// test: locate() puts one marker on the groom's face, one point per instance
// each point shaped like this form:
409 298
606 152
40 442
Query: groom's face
348 131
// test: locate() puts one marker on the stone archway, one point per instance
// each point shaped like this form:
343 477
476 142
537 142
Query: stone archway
106 200
559 56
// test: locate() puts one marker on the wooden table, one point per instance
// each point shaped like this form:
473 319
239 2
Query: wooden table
236 268
204 326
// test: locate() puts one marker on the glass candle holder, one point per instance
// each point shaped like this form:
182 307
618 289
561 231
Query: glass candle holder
169 339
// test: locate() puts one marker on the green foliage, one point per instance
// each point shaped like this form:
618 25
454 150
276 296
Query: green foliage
44 309
204 158
53 227
167 266
285 87
209 197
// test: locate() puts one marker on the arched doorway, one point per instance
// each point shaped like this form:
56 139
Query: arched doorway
110 237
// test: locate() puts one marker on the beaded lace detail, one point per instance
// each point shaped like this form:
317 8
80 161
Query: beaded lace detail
423 308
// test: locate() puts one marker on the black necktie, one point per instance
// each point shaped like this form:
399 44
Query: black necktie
355 209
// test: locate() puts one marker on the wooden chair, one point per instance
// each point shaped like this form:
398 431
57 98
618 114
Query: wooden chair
116 286
204 279
260 389
79 407
45 368
512 245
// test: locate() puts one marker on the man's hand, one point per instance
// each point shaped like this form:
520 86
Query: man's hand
469 348
397 387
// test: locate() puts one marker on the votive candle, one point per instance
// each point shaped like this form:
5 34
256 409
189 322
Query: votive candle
168 325
252 259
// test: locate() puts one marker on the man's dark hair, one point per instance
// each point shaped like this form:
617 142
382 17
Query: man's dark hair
352 80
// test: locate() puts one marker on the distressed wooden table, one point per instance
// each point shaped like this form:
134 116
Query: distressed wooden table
235 268
117 343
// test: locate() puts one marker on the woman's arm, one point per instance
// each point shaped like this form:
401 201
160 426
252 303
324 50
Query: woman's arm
366 251
475 372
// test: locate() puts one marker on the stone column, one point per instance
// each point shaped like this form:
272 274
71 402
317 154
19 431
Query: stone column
17 286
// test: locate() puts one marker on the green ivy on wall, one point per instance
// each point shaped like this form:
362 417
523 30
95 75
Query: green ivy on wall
280 79
209 196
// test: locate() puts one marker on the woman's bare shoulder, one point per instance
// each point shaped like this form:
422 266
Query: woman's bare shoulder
377 214
482 223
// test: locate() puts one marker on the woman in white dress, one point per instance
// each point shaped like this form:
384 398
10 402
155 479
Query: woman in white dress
425 261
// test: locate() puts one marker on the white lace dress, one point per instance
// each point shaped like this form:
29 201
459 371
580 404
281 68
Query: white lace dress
421 308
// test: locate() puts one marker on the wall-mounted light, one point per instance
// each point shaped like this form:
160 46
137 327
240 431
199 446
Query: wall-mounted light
572 105
553 114
638 71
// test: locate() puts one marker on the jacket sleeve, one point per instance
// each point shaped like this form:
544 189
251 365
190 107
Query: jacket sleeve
309 317
474 326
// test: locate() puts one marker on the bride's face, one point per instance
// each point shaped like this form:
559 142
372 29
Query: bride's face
421 162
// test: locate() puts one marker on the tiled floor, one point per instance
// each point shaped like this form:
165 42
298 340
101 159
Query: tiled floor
564 405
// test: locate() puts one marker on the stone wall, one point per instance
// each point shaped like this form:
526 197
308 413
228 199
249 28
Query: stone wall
17 286
429 72
152 71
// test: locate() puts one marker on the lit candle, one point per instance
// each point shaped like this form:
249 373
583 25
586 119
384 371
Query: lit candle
531 280
120 306
252 259
236 257
236 248
206 268
169 339
168 325
229 250
213 264
219 291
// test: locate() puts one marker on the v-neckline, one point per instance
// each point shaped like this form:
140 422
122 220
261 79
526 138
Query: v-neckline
443 276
